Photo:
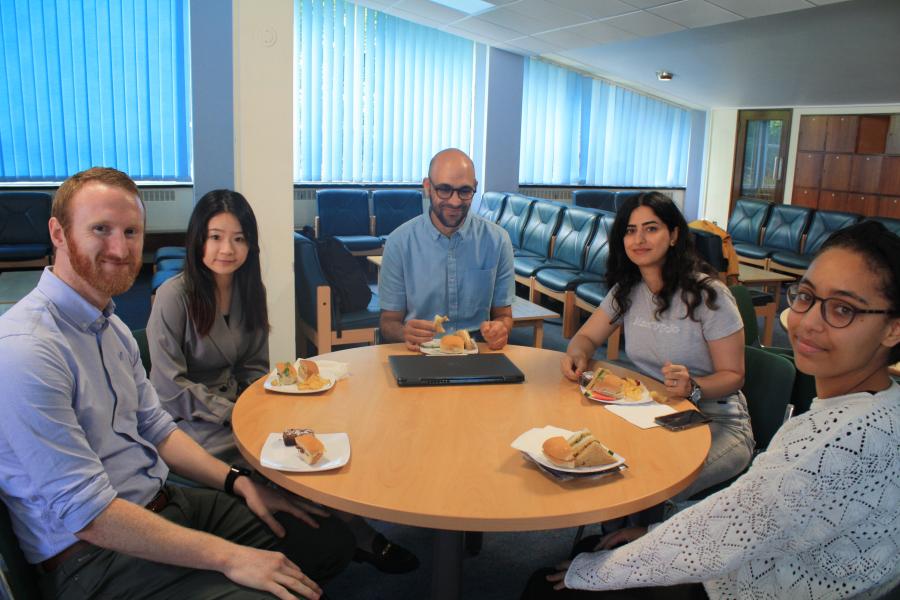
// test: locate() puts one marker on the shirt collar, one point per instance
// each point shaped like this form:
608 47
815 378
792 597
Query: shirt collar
464 232
73 305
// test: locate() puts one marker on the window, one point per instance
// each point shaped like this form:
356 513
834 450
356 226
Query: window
376 96
94 83
581 130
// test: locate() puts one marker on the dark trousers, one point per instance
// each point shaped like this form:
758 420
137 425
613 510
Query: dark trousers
98 573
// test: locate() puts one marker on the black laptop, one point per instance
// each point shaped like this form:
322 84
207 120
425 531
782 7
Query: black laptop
454 370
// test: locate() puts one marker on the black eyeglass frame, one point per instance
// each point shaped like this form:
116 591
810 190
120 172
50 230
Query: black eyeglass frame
793 290
445 191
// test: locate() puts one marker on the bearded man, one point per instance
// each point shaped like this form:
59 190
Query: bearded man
447 262
85 447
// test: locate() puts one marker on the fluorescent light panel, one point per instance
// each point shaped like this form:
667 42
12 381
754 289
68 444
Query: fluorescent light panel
472 7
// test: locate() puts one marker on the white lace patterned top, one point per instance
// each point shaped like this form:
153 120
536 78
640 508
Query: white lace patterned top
817 516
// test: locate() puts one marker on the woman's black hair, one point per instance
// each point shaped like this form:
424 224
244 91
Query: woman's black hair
881 249
680 270
199 281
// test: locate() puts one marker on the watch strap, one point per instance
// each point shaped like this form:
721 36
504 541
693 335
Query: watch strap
233 473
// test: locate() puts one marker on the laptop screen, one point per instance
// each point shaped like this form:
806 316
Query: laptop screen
454 370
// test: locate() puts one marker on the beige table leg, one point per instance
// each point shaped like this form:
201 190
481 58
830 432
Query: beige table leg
538 334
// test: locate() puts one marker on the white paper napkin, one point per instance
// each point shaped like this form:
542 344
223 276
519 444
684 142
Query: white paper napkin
641 415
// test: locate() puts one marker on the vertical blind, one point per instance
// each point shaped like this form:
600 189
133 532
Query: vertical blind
94 82
581 130
376 96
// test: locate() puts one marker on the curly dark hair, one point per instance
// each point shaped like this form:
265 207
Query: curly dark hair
199 282
680 270
881 249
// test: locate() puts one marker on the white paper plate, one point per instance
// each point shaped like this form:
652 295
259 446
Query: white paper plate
646 398
293 389
433 348
532 441
275 455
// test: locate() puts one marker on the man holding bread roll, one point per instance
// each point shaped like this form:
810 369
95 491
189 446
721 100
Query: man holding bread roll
447 263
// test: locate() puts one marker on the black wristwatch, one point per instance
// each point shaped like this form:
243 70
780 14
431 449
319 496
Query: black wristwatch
233 473
696 393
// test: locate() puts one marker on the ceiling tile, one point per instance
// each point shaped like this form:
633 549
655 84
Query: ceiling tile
547 16
476 27
376 4
565 38
596 9
500 2
758 8
415 18
695 13
821 2
430 10
504 17
532 45
643 24
594 33
649 3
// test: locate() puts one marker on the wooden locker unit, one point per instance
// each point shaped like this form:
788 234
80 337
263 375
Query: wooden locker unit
889 206
873 130
890 176
808 197
812 133
864 204
840 135
836 172
808 172
833 200
865 174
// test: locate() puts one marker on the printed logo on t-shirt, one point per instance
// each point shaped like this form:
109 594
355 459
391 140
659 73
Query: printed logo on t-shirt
655 326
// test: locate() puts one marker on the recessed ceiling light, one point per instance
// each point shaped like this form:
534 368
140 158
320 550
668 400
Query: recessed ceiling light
472 7
664 76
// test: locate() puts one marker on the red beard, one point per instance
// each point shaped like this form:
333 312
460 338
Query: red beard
98 277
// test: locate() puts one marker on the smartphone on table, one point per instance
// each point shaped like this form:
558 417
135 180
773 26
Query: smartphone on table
682 420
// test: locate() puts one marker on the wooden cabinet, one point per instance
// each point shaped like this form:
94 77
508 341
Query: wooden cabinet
808 197
843 163
812 133
836 172
865 174
873 130
840 134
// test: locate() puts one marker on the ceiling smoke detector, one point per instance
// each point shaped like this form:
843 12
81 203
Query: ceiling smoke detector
664 76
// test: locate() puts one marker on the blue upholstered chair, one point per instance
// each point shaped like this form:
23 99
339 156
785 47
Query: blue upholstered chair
537 239
491 205
344 214
709 247
599 199
24 236
823 224
167 252
514 215
623 195
160 277
316 319
591 288
556 276
170 264
746 224
393 208
783 232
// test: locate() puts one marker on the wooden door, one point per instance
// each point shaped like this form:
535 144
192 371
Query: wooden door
760 155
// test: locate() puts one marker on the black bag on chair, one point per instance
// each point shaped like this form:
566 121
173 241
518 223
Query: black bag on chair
349 289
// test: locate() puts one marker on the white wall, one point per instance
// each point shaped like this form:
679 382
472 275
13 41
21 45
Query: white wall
719 162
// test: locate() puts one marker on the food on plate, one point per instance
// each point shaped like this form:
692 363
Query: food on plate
581 449
308 377
285 374
439 323
308 445
558 450
452 344
607 384
468 342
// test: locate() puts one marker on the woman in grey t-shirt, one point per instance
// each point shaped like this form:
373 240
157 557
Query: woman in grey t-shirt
681 324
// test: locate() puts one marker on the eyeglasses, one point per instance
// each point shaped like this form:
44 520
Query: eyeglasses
445 192
835 312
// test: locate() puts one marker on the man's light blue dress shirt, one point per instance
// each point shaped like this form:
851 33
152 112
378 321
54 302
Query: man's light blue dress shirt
79 421
424 273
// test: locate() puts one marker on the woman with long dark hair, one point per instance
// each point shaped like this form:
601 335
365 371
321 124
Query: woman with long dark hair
208 334
208 330
681 325
816 516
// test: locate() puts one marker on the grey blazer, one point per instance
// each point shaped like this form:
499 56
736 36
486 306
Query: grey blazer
198 379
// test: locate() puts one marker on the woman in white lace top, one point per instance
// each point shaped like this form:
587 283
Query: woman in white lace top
818 514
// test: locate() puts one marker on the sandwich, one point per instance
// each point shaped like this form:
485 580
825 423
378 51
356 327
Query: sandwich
285 374
606 385
439 323
306 369
468 342
581 449
452 343
309 447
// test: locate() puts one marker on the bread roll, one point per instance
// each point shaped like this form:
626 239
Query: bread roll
305 369
285 374
309 447
452 344
558 450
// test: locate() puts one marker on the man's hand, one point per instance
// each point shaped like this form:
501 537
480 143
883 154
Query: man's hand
271 572
417 331
559 578
573 364
495 334
264 502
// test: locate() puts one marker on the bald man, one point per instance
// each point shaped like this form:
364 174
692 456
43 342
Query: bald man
447 262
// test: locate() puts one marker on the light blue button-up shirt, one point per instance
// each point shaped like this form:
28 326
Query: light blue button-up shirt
79 421
424 273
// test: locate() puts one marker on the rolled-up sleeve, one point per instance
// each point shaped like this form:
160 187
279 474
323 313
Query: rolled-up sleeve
52 449
391 284
505 286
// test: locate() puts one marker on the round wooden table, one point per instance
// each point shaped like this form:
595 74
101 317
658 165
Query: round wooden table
440 457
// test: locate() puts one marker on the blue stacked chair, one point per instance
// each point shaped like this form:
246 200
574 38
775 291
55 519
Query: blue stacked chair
824 223
599 199
24 236
746 224
491 205
590 287
537 236
344 214
783 232
514 215
169 252
393 208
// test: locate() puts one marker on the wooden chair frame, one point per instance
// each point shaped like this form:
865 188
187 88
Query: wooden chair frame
567 297
324 337
34 262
